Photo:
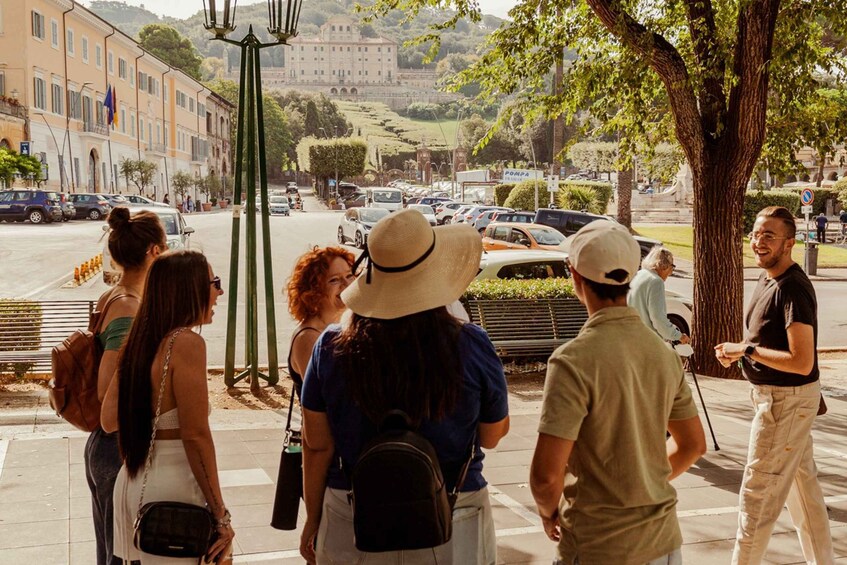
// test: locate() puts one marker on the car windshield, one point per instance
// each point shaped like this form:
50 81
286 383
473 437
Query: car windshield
169 222
387 196
546 237
372 214
422 208
279 200
101 198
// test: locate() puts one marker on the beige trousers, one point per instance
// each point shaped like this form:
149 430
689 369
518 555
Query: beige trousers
780 468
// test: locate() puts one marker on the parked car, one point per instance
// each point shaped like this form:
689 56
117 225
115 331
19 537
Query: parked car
136 200
444 211
357 223
176 233
459 215
116 200
523 264
482 221
514 217
471 215
427 212
383 197
279 205
412 200
68 208
37 206
499 236
568 222
291 187
356 200
90 205
433 201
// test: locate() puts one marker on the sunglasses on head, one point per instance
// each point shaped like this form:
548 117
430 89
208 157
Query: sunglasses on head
216 282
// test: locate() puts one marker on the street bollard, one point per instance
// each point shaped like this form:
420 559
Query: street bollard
76 276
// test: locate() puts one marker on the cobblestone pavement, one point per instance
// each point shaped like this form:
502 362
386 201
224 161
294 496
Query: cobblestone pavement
45 506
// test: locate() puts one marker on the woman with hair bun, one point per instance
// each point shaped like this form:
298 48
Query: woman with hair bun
314 300
134 242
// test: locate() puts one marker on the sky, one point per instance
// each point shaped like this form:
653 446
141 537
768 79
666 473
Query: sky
186 8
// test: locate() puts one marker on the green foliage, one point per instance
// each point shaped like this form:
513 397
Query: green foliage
498 146
517 289
181 181
840 187
20 330
600 193
660 162
167 44
12 164
423 110
821 196
322 157
594 156
755 201
141 173
501 193
522 196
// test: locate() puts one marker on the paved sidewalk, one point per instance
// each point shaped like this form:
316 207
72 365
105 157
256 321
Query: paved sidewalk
45 511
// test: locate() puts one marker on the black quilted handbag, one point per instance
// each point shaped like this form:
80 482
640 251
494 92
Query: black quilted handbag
165 528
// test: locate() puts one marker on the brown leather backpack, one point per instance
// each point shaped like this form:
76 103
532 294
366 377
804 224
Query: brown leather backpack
76 362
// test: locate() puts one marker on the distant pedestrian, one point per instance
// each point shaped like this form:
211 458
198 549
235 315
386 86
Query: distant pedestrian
189 205
166 200
393 354
821 222
843 219
602 465
647 294
779 358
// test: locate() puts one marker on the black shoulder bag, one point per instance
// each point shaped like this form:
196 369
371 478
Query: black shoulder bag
289 482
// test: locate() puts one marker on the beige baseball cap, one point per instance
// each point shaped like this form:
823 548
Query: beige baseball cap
604 252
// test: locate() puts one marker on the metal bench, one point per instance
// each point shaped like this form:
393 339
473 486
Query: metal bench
30 329
528 327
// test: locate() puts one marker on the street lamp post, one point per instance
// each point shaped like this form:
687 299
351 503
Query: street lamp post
283 18
59 151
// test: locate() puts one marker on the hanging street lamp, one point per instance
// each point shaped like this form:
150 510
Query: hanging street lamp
283 17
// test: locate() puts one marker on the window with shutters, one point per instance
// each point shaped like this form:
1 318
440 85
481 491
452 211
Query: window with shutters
84 49
54 34
39 93
122 68
37 25
70 42
57 99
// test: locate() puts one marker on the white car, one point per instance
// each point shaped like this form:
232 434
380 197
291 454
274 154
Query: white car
388 198
176 235
136 200
529 264
481 222
279 205
357 223
426 210
445 210
459 215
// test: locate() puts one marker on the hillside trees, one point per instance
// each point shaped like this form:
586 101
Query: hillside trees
167 44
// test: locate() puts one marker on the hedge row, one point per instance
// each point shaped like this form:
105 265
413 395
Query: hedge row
501 192
821 196
755 201
573 195
505 289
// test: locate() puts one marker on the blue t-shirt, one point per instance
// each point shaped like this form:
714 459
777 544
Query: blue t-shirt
484 399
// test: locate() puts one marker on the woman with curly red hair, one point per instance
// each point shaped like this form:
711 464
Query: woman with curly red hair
314 300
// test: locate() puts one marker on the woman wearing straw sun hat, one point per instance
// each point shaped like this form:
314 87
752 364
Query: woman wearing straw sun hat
400 349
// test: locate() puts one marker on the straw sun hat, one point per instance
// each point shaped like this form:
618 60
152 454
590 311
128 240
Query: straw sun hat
413 267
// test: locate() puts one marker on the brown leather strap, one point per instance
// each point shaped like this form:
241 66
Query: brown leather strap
102 313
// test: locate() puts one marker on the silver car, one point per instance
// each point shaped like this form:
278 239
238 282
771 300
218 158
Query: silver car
357 223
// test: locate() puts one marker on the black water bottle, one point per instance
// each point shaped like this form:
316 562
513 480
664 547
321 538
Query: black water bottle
289 485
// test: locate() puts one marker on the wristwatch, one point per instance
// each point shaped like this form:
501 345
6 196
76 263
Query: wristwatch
749 350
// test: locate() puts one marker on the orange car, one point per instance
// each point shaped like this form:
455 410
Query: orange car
505 235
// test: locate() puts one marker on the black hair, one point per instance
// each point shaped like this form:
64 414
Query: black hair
607 291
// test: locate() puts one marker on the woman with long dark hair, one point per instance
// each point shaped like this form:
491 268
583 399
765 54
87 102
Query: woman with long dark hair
181 294
134 243
402 350
314 300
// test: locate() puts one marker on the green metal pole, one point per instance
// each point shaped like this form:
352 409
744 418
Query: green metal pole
252 310
270 310
232 299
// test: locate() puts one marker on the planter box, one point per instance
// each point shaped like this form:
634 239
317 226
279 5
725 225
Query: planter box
528 327
207 206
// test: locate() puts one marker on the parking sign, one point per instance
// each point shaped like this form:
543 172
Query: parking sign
25 147
807 196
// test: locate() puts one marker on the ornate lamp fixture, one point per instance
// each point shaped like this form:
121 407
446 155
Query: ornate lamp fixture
284 22
221 22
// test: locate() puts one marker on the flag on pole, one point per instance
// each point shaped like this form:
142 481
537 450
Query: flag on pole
114 107
109 105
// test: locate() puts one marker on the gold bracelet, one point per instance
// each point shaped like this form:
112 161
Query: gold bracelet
224 520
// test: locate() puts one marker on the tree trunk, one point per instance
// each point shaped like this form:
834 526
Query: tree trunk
821 165
559 122
625 197
718 264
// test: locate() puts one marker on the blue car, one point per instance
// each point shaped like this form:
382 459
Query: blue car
37 206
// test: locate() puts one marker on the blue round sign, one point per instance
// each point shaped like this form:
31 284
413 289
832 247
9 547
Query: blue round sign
807 196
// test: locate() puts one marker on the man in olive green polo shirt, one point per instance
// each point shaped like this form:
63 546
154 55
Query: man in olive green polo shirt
602 465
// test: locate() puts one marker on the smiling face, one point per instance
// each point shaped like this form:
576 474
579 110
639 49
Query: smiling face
771 243
338 277
215 292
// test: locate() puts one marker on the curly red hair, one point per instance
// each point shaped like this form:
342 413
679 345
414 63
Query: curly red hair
306 285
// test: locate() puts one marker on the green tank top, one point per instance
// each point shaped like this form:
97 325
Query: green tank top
112 338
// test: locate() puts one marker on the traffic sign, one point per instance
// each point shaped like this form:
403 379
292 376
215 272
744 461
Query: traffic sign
807 196
25 147
553 183
806 209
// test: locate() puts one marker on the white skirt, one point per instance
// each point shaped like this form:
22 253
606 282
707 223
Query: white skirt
170 479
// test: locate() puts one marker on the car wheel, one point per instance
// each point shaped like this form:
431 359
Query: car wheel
65 219
359 241
94 214
680 323
36 216
341 235
446 220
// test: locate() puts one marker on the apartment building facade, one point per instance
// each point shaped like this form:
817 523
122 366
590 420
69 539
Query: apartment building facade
58 60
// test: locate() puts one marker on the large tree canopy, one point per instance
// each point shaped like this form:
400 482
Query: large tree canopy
167 44
706 71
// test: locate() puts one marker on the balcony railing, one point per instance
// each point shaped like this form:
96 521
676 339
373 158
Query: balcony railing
158 148
10 109
94 127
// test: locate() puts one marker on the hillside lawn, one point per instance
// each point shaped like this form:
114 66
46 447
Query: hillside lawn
680 241
449 127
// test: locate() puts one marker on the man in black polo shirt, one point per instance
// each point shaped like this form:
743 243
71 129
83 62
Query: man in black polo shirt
779 359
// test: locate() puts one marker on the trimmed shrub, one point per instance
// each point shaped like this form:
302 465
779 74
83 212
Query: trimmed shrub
821 196
522 196
840 187
519 289
580 198
20 330
502 191
755 201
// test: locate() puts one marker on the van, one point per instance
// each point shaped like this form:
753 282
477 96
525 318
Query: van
384 197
